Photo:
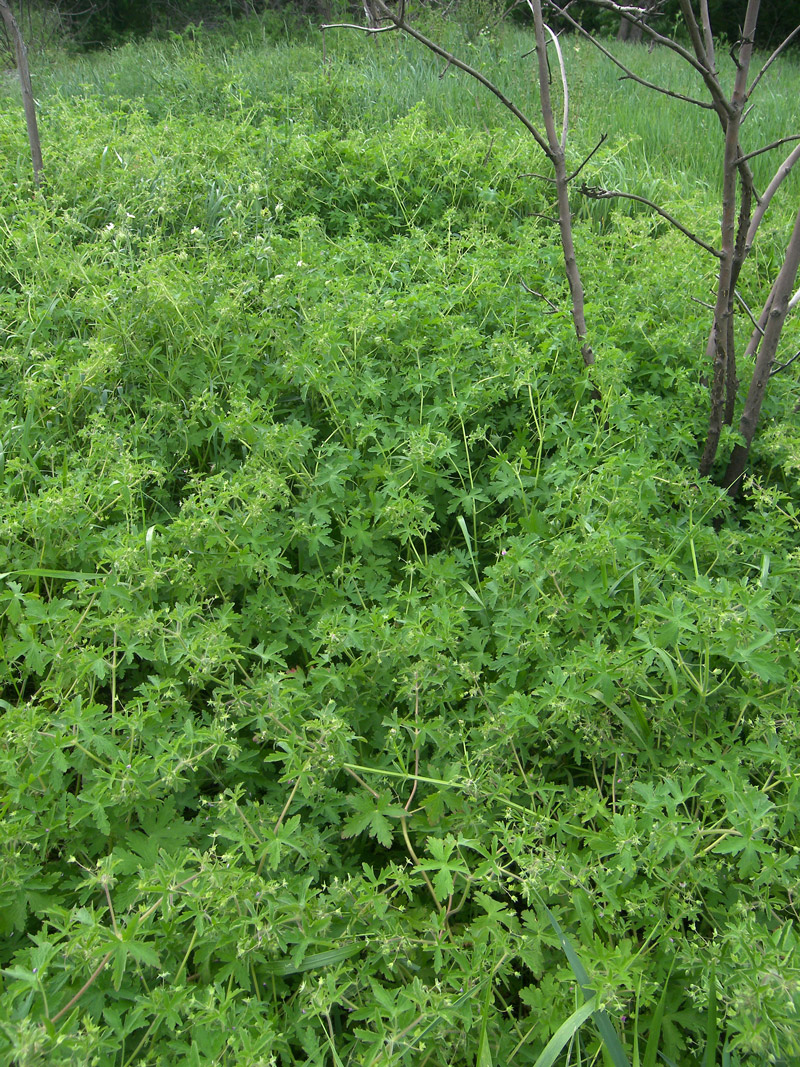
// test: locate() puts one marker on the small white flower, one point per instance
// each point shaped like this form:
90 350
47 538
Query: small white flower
300 263
195 229
110 227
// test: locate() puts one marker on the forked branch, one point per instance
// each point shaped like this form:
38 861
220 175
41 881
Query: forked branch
627 73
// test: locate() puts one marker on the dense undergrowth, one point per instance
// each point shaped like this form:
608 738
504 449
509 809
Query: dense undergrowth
355 661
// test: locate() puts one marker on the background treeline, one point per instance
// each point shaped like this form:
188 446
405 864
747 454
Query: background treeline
777 18
99 23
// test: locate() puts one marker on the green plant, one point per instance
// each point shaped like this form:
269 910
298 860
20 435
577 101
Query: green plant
353 667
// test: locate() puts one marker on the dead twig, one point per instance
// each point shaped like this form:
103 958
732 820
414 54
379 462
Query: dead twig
768 147
783 366
594 193
556 310
575 173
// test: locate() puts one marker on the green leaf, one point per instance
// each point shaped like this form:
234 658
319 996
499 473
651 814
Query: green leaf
563 1034
602 1021
653 1038
371 816
731 845
484 1053
712 1027
443 883
314 962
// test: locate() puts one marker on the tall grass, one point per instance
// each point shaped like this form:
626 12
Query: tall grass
369 83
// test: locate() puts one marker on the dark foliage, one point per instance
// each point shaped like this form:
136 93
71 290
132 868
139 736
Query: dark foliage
776 21
98 23
105 22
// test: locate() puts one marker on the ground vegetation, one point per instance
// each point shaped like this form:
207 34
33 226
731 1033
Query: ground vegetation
371 693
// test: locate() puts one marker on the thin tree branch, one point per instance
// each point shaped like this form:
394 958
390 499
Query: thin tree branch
400 23
702 303
608 194
769 147
665 92
784 44
575 173
783 366
564 86
750 314
705 68
631 13
354 26
708 36
628 74
556 310
758 332
779 298
558 158
28 103
541 177
780 175
698 43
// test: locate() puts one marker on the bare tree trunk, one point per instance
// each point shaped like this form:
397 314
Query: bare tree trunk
780 298
721 336
739 225
632 31
382 18
21 53
558 159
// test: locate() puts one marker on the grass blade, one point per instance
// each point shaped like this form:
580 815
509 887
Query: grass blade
484 1055
313 962
601 1019
712 1025
651 1051
565 1032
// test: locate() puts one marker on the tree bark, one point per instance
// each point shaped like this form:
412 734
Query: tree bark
632 31
21 53
780 297
558 158
722 332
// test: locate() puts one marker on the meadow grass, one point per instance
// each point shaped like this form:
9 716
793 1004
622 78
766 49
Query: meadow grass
374 82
